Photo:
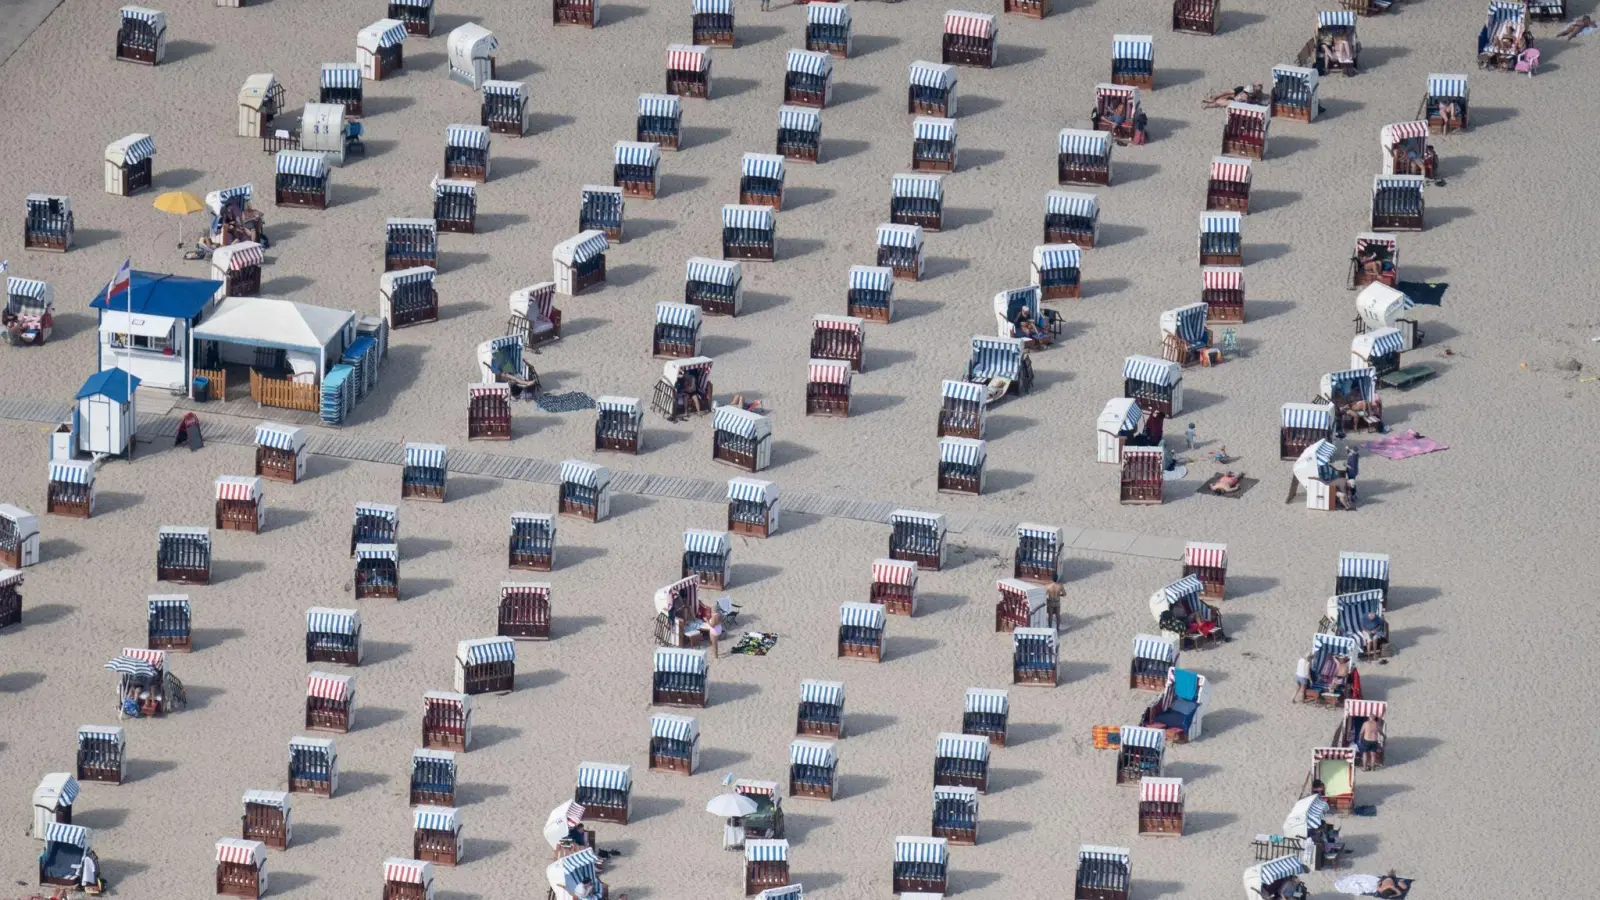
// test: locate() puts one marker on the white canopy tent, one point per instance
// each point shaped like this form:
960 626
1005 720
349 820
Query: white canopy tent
309 335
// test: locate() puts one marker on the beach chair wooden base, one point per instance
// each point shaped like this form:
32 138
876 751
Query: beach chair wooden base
1162 819
1146 681
531 562
926 562
1033 677
170 643
960 837
611 815
810 791
997 737
869 652
575 510
676 765
438 847
183 576
317 787
682 699
1222 259
749 529
819 728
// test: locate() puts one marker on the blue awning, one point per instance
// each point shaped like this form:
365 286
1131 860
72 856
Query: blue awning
155 294
113 384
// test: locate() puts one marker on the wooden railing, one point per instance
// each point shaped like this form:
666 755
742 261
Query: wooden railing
218 379
284 394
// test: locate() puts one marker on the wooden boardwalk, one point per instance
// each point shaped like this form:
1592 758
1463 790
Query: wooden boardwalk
233 430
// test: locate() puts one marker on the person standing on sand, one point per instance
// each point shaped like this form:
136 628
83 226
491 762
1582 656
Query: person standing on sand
766 5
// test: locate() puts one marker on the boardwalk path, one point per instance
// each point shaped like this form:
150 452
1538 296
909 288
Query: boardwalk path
233 430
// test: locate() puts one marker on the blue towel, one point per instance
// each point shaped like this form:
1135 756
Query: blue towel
1185 684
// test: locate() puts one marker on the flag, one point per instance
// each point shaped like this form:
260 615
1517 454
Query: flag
121 281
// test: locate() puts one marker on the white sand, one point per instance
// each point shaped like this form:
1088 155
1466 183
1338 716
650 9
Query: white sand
1489 772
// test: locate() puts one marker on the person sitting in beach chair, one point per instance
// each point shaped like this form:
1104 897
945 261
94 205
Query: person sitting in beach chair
692 391
1029 329
1373 260
1340 52
1228 484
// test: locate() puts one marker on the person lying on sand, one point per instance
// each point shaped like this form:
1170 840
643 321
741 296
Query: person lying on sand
1393 886
1229 483
1238 95
1578 26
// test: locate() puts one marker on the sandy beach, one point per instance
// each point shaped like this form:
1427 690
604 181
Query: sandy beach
1487 780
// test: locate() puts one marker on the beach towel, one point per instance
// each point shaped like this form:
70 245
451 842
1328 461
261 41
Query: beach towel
1403 446
572 401
1424 293
1357 885
755 643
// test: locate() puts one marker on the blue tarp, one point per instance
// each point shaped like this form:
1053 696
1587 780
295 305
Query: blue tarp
155 294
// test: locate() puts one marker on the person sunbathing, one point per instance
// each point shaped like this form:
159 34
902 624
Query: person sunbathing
1393 887
1341 52
1228 484
1220 101
1576 27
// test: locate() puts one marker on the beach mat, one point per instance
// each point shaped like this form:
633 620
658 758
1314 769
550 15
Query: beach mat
1424 293
755 643
1245 484
571 401
1403 446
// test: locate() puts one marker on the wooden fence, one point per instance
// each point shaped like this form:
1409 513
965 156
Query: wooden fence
218 379
285 394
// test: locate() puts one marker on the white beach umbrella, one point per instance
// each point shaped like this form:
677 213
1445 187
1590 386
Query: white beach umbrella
731 806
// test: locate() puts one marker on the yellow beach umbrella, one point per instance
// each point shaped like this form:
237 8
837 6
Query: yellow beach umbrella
179 203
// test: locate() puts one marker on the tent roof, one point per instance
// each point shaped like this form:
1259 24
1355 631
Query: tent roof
268 322
113 383
161 295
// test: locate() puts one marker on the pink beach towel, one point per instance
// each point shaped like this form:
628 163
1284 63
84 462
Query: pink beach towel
1405 445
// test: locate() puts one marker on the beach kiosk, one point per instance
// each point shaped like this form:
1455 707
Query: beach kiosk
761 180
534 318
504 108
821 711
489 412
1444 105
330 702
1161 806
828 388
585 491
102 754
423 476
1071 217
970 39
917 199
714 285
142 36
1244 134
705 556
380 49
1103 873
240 505
828 29
71 491
333 636
1196 16
183 554
67 856
313 767
532 543
49 225
580 262
918 537
752 507
931 90
407 296
933 144
455 205
409 243
808 79
1139 753
963 409
636 168
986 714
711 23
238 267
841 338
679 677
261 102
340 84
30 311
921 864
1155 384
446 721
52 802
436 835
1229 187
584 13
1034 656
1222 292
416 15
1056 271
605 790
900 251
377 572
955 815
1118 423
486 666
466 152
749 232
1132 60
128 164
407 879
894 585
1294 93
266 819
1153 658
813 769
689 71
1021 605
1083 157
619 425
660 120
470 50
1221 243
19 537
742 439
869 298
600 208
861 628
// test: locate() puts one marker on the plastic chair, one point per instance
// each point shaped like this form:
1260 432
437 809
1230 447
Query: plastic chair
1528 61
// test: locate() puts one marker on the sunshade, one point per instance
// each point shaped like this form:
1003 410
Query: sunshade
731 806
179 203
